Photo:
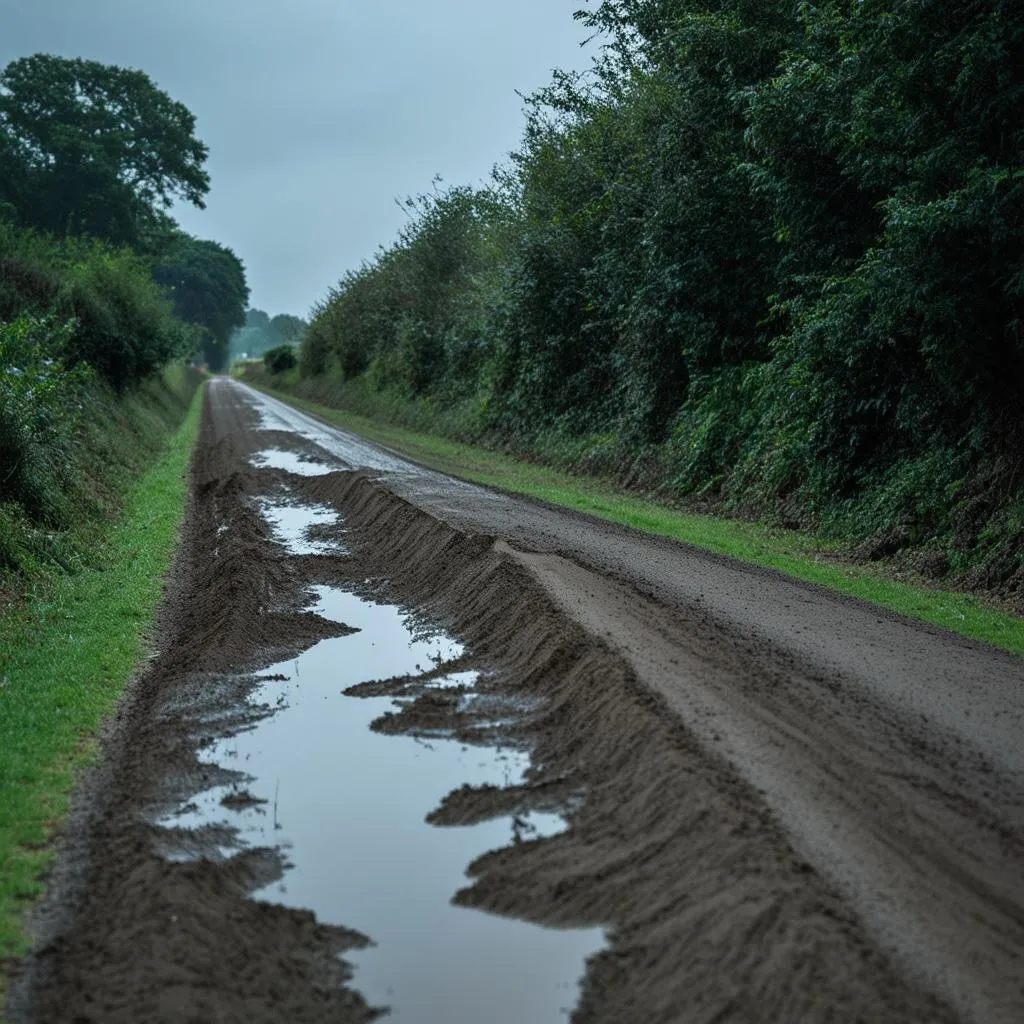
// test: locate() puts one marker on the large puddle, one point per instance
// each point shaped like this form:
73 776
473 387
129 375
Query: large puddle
348 806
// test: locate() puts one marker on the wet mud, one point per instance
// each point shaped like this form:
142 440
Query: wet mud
175 898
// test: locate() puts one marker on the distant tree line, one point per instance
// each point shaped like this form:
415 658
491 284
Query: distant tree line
262 332
765 252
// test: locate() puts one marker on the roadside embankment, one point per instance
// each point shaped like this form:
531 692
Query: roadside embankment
78 590
978 614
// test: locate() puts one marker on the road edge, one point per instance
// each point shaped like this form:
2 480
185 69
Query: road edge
149 534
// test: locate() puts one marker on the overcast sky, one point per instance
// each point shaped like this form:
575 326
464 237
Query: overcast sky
319 113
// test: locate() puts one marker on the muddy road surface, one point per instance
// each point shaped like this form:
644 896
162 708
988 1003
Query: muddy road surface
409 746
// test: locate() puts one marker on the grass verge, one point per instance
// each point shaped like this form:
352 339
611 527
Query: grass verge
68 652
796 554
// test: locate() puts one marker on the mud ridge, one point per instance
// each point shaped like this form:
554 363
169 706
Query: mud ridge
713 916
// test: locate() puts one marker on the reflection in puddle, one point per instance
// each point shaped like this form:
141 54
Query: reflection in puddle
290 462
292 523
348 806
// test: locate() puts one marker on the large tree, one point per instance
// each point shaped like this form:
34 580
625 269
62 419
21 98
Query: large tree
90 148
206 282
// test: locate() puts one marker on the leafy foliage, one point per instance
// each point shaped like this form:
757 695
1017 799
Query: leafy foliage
206 282
121 323
65 438
39 403
92 273
262 332
415 317
91 155
280 359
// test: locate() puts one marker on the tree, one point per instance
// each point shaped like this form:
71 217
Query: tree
257 319
90 148
891 146
206 282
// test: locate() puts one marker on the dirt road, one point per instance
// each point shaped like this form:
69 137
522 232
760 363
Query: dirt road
773 803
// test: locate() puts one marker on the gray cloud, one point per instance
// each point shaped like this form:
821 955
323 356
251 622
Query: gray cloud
319 113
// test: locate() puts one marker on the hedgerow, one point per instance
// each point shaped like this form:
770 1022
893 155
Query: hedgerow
768 254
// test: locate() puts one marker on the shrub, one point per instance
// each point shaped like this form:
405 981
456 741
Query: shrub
123 326
280 359
39 403
25 286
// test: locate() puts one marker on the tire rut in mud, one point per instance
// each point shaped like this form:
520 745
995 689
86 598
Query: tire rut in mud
711 916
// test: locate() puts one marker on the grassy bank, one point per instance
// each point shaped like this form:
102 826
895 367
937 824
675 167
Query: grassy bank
801 555
73 634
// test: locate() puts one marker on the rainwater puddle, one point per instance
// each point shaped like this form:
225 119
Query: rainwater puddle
348 805
290 462
292 523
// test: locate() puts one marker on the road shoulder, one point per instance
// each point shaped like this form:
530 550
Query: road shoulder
71 653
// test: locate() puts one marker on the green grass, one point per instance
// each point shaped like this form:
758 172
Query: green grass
68 651
800 555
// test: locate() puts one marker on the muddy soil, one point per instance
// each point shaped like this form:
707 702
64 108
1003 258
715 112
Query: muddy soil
762 833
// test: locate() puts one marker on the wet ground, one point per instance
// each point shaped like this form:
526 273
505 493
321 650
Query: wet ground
410 744
351 867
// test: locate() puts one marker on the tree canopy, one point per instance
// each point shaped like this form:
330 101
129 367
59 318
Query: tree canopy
91 157
91 148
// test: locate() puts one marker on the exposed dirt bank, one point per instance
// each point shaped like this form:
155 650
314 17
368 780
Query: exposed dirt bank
765 833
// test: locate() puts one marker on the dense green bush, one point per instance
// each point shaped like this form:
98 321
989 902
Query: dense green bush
279 359
99 292
79 323
416 318
122 323
124 326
